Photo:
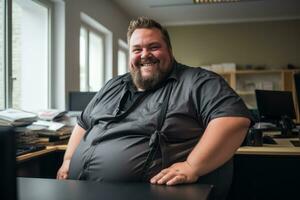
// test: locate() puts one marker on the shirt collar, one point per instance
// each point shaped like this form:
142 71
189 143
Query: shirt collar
175 72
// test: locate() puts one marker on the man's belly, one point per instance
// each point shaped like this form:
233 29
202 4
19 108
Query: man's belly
120 159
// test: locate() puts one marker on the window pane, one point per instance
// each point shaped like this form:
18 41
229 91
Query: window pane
83 60
30 55
122 62
2 90
96 60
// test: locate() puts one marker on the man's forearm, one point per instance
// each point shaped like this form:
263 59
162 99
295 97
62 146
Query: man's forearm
218 144
74 141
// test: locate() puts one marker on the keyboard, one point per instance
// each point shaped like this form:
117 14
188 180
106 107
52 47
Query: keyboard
28 149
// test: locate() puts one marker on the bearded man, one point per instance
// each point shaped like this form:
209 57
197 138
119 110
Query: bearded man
163 122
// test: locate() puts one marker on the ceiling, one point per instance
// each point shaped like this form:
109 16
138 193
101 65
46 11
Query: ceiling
184 12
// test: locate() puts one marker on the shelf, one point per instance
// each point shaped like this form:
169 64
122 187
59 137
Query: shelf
273 71
245 93
267 71
272 79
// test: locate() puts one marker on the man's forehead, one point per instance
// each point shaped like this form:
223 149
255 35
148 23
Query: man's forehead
146 35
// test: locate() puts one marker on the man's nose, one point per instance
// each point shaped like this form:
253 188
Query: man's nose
145 53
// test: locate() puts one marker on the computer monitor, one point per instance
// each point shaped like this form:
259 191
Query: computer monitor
79 100
8 164
277 107
273 105
297 86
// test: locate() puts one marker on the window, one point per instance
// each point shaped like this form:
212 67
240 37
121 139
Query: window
25 82
91 59
2 45
95 54
30 55
122 58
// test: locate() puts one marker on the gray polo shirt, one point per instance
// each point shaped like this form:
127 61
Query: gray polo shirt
116 144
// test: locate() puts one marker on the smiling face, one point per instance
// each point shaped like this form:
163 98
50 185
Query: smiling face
150 58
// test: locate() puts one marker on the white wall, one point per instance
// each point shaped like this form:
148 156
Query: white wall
273 44
106 13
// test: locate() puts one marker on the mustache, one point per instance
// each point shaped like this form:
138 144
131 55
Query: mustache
148 60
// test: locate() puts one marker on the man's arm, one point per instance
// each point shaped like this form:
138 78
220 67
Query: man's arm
74 141
221 139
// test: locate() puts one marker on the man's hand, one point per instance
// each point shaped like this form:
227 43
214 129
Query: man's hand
178 173
63 170
76 136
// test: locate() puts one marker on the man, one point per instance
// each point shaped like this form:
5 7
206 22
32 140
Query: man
164 122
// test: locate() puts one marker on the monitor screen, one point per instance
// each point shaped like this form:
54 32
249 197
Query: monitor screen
79 100
273 105
8 163
297 86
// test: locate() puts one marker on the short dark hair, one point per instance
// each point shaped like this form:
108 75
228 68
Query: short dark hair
145 22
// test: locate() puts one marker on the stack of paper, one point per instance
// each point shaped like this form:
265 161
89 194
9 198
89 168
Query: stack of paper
13 117
25 137
50 128
51 132
51 114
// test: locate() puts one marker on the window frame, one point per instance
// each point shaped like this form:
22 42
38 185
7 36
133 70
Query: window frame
108 43
50 6
88 28
123 46
7 53
8 50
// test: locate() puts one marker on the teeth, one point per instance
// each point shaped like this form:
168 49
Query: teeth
148 64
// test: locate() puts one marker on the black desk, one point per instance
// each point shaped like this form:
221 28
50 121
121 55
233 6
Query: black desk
49 189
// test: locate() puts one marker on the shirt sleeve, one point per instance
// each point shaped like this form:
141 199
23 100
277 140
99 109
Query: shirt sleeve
215 98
85 120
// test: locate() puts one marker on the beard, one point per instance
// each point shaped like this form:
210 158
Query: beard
149 82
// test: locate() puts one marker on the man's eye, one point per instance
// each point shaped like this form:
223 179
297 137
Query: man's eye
154 48
136 50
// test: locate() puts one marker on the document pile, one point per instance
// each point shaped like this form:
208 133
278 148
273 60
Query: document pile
26 141
25 137
51 114
14 117
51 132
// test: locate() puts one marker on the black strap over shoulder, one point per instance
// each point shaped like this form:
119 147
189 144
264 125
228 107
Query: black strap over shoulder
157 138
164 108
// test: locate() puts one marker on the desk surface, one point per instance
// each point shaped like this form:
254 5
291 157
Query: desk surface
49 189
282 148
37 154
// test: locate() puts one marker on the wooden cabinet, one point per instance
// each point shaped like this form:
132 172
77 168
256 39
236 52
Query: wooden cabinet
244 82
